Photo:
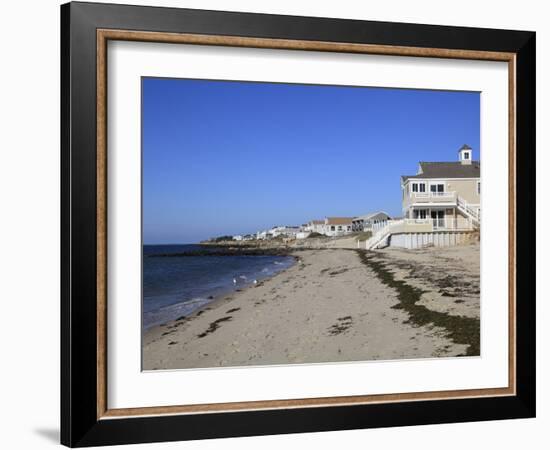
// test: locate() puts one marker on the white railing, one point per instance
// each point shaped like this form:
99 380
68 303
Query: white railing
416 221
380 225
465 208
431 196
445 223
380 231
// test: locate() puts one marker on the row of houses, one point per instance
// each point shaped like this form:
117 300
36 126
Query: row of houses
329 226
440 197
338 226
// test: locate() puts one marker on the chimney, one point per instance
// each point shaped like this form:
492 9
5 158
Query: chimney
465 154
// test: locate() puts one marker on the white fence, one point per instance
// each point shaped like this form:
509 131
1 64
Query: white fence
433 239
382 231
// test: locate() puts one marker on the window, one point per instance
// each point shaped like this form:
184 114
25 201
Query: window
422 187
437 187
339 227
420 214
415 187
332 228
466 155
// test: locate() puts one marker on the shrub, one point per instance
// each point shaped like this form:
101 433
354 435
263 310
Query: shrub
222 238
314 234
364 235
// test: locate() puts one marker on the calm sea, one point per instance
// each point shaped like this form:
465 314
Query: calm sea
176 286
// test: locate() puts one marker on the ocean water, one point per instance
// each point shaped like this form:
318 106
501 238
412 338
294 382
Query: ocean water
178 285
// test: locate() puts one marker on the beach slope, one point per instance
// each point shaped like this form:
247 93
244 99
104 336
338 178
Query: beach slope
332 305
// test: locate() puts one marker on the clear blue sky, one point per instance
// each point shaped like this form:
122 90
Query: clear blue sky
234 157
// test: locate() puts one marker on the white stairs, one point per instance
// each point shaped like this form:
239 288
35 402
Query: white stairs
468 211
381 234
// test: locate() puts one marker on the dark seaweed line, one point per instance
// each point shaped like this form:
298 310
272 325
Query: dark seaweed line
462 330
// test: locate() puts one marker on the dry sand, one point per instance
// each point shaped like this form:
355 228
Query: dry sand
330 306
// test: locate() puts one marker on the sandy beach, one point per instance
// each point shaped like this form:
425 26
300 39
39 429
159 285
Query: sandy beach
334 305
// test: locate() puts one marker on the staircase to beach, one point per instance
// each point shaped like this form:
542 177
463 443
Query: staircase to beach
383 230
381 234
471 213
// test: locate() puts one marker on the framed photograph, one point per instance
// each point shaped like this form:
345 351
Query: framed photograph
276 224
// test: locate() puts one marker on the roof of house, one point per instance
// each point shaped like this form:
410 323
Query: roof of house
369 216
465 147
446 170
338 220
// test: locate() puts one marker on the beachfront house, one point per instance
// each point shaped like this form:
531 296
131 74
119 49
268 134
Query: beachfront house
447 194
238 237
441 206
367 221
337 226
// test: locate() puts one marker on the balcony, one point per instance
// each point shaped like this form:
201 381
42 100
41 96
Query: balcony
433 197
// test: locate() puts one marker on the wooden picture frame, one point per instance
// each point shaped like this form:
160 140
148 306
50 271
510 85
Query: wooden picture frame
85 416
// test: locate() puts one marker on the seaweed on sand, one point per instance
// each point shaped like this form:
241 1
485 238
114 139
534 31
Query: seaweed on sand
214 326
460 329
342 325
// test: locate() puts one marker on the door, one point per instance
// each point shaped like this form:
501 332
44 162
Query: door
438 219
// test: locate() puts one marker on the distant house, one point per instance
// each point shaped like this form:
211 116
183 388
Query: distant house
238 237
286 231
447 193
315 226
366 222
337 226
261 235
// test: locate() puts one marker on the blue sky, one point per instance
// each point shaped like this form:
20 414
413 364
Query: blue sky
233 157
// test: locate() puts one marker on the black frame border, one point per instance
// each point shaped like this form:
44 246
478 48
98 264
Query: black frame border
79 423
